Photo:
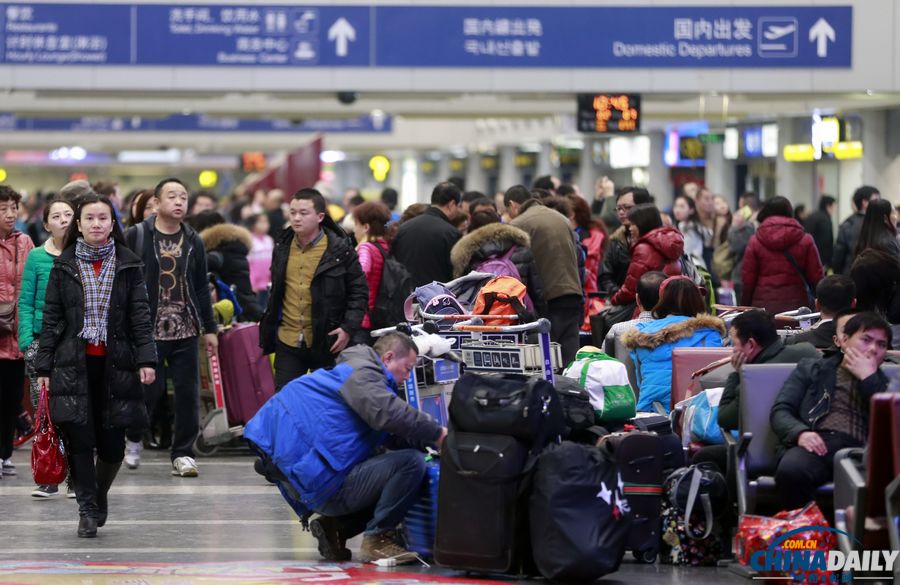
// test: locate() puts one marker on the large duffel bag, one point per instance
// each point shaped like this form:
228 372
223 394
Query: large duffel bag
580 517
524 407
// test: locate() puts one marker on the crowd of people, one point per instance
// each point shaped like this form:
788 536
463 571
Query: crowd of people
100 291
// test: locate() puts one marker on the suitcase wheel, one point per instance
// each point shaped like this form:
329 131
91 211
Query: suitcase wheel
201 447
647 556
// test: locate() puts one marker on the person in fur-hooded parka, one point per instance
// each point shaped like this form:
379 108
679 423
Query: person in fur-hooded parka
651 344
227 246
494 240
680 321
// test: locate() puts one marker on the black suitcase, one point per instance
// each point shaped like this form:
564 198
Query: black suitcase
524 407
578 513
482 510
673 450
640 457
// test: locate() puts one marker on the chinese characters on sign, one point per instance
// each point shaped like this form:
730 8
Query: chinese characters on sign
503 37
414 36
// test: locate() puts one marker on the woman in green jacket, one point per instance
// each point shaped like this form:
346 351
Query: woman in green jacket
57 217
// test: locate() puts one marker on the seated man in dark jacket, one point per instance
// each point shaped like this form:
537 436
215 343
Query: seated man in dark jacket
754 340
325 430
834 294
824 407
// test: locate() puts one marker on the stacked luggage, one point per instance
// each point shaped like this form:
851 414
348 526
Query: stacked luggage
504 471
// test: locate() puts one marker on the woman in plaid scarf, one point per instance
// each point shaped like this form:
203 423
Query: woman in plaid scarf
96 349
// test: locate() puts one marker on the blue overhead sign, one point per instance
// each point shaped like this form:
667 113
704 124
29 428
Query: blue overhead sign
664 36
193 123
426 36
66 34
323 36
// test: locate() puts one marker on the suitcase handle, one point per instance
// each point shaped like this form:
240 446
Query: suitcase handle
453 453
640 460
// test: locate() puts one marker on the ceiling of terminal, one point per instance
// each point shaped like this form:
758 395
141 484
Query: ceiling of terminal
421 120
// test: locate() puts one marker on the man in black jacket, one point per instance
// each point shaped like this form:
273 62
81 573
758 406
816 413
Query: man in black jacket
319 292
834 294
819 226
617 256
754 339
177 286
824 407
848 233
423 243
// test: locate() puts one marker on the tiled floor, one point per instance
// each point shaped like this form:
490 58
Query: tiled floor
227 526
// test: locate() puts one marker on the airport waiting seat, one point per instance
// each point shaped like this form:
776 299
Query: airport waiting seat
754 453
686 361
623 354
860 478
892 493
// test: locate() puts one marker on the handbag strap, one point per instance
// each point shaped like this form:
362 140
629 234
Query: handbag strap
809 289
693 491
43 409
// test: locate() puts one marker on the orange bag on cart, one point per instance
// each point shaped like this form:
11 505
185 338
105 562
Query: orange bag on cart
503 295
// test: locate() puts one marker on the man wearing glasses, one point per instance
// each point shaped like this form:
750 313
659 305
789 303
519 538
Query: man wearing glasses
618 252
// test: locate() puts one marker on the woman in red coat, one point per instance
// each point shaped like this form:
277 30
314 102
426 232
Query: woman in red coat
656 248
771 280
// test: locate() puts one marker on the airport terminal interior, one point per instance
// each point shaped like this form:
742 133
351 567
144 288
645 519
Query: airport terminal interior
253 101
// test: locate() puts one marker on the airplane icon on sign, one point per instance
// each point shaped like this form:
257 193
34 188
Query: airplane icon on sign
776 32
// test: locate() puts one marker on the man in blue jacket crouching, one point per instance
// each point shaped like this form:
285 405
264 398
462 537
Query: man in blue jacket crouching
325 432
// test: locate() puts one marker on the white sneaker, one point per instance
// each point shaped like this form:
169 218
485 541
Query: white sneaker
8 467
133 454
185 467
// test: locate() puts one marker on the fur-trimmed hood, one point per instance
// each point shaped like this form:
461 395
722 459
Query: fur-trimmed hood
483 242
223 233
620 234
670 332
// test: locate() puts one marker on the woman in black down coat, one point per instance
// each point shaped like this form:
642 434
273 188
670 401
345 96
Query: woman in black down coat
96 349
488 238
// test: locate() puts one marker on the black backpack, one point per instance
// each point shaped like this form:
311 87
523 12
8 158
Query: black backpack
396 285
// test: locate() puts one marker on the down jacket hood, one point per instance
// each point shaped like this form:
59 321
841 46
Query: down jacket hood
662 331
779 233
495 238
223 233
667 240
619 234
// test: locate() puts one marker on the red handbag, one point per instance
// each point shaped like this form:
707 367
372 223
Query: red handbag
48 460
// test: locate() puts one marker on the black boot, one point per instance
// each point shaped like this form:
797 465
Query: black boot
106 473
81 468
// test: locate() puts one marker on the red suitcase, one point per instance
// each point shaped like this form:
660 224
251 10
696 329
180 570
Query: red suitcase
246 373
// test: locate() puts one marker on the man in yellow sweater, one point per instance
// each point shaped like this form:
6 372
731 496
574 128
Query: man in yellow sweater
319 293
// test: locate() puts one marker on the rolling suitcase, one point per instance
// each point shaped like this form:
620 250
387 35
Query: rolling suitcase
246 373
640 458
673 449
421 520
482 516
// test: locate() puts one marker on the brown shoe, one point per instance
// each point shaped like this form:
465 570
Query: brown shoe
384 546
331 546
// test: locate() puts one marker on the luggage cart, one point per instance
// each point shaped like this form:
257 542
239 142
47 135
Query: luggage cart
214 429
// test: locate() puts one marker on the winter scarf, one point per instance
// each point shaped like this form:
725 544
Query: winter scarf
97 288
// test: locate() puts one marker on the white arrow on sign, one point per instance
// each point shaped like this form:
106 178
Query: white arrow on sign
821 33
341 32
